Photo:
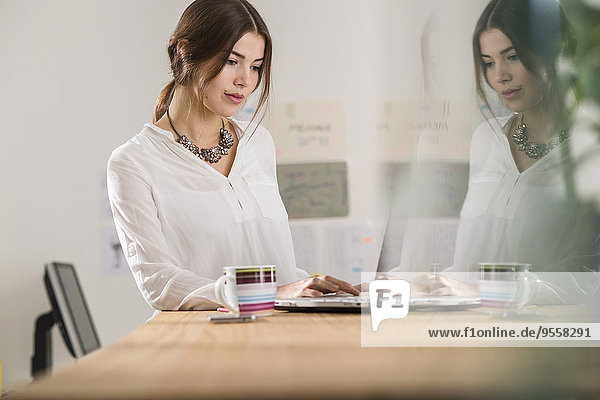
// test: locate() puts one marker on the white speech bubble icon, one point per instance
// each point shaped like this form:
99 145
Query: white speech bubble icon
388 299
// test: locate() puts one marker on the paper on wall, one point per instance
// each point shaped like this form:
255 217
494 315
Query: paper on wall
308 129
343 250
307 247
394 136
443 128
432 129
314 190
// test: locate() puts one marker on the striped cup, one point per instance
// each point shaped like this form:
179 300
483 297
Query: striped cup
247 289
504 285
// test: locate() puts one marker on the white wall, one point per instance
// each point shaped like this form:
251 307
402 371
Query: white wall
358 54
78 78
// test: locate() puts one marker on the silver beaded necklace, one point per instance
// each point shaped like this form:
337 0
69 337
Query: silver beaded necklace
532 149
211 155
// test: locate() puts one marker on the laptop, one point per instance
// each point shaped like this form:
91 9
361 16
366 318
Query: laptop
349 303
388 256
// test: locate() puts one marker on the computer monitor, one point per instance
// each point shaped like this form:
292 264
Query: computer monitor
69 311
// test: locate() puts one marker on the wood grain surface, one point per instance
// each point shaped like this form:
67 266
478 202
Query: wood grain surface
179 355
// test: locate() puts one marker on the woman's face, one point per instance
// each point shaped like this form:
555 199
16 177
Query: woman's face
520 89
237 80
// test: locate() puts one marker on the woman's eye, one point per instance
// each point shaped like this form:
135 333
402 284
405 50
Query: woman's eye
256 68
487 64
231 62
513 57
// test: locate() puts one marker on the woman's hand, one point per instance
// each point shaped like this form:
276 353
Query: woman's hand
445 286
315 286
416 289
441 285
432 284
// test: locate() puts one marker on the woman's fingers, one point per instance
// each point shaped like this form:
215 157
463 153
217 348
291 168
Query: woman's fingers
443 291
362 287
342 285
307 292
323 284
417 289
315 286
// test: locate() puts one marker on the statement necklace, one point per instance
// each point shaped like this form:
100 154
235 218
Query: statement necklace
210 155
532 149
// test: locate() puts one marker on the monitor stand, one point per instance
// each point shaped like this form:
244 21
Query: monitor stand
41 361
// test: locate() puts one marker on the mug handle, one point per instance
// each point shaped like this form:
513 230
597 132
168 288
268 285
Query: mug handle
526 278
523 290
220 293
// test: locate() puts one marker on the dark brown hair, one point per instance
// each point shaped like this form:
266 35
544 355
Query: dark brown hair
540 33
202 43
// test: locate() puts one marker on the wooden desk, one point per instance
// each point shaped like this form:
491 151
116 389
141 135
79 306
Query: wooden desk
179 355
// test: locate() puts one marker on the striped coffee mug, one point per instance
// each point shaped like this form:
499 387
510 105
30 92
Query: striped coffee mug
247 289
504 285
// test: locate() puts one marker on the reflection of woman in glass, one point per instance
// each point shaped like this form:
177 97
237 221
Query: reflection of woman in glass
520 204
196 190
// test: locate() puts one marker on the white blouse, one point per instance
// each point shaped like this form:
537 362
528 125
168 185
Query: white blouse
180 221
529 217
517 216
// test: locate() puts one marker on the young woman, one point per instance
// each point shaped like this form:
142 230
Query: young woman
196 190
521 205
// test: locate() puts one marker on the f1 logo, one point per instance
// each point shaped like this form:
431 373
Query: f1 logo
388 299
